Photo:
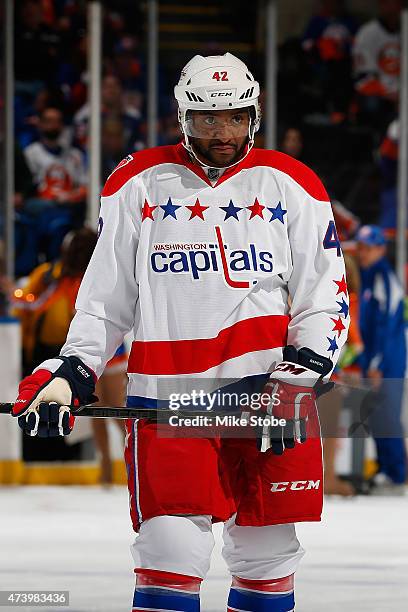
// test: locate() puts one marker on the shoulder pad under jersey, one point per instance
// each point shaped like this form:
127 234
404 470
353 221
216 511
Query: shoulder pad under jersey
138 162
298 171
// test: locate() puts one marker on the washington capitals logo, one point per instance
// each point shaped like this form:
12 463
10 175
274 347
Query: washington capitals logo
199 258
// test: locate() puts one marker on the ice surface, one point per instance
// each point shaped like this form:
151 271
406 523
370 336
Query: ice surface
78 538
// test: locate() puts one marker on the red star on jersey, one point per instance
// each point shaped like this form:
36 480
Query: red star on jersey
338 326
147 211
256 209
197 210
342 286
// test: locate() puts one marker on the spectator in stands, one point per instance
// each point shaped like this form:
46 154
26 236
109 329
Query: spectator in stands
383 360
346 222
114 147
114 28
347 372
27 111
292 143
37 48
111 391
71 21
23 181
169 131
26 239
5 284
377 64
295 96
389 152
58 174
327 41
126 64
113 107
73 76
45 306
348 366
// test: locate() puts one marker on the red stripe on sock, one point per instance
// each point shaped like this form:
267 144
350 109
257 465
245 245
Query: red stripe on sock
150 577
274 585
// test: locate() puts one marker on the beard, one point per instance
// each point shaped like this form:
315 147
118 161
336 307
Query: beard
212 158
52 135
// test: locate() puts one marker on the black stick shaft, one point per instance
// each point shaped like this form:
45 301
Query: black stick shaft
127 413
115 412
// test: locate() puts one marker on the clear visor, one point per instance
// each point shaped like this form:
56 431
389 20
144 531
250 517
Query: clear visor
217 124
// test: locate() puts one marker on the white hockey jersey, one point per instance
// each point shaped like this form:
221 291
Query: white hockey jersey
377 59
202 271
55 172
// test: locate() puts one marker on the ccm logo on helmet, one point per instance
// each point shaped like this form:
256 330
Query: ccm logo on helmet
295 485
227 93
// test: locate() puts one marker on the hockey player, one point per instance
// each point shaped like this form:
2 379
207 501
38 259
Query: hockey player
384 358
201 244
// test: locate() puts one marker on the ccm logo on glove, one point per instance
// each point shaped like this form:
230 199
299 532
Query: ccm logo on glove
297 381
83 372
290 368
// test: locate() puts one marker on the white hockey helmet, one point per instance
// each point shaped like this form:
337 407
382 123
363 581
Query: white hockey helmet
217 82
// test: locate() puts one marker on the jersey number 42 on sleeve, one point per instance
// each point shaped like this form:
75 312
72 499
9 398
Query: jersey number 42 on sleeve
331 239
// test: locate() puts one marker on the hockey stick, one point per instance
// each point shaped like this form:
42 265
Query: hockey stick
114 412
158 414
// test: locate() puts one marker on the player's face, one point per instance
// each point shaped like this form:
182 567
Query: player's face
219 137
369 255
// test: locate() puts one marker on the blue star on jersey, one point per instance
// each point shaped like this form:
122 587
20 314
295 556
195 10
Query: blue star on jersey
332 345
170 209
344 309
231 211
277 213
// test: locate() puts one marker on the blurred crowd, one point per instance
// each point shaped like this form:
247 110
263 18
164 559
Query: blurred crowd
52 116
338 84
338 93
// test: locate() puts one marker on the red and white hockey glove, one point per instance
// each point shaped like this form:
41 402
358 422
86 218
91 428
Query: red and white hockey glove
294 386
43 397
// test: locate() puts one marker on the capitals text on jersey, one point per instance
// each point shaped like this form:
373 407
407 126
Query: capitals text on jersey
206 257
